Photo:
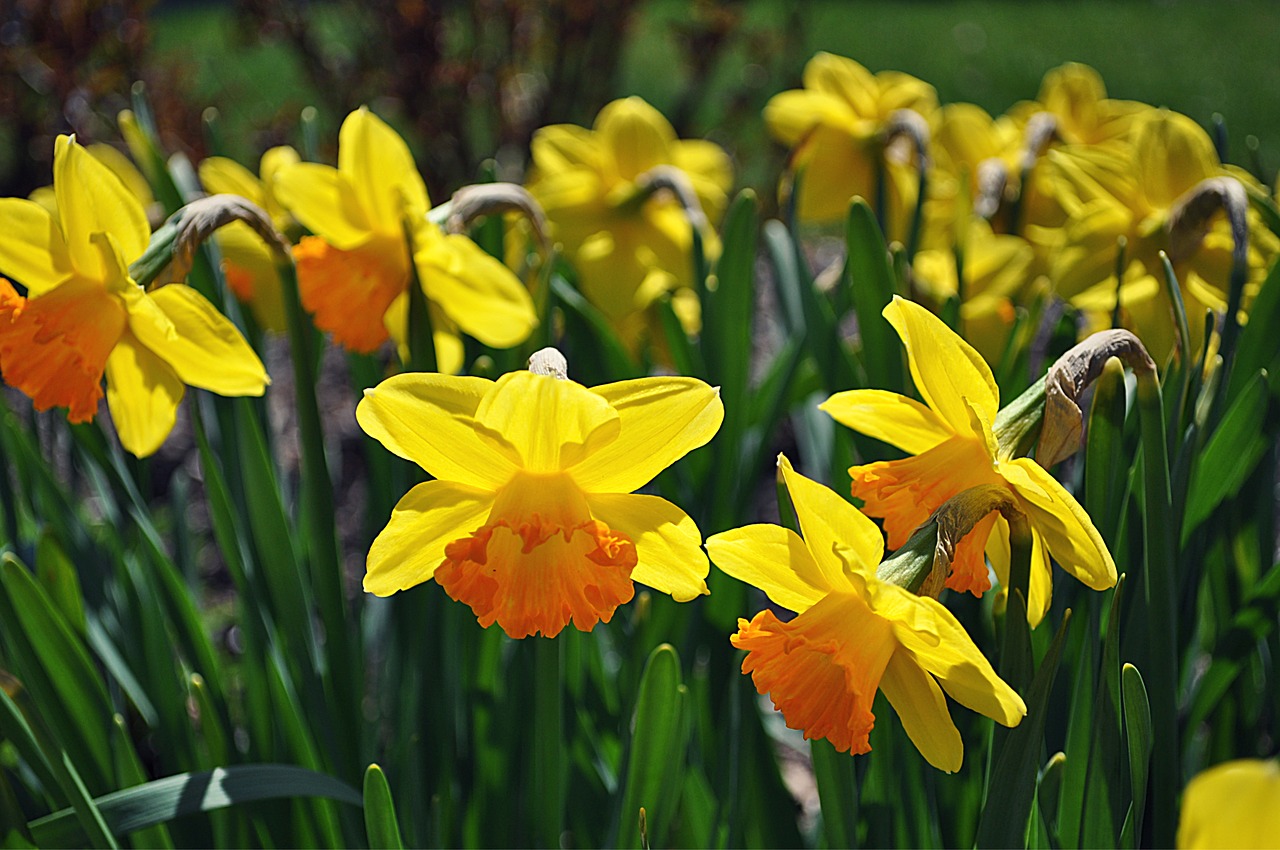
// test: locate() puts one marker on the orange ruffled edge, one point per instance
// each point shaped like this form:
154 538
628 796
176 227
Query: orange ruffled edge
54 348
349 291
538 575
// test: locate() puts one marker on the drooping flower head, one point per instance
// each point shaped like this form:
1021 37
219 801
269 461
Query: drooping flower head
1138 193
84 317
954 449
853 634
835 127
247 263
369 217
629 244
532 520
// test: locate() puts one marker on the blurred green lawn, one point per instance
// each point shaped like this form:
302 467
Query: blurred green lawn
1199 57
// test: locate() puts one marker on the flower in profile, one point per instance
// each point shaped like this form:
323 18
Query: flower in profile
371 232
1232 805
1142 193
837 127
247 262
531 519
853 633
628 233
954 449
83 315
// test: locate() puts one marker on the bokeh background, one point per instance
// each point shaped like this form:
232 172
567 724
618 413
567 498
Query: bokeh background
468 80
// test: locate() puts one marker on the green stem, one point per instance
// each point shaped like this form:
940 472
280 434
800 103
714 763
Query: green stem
1162 640
548 742
325 560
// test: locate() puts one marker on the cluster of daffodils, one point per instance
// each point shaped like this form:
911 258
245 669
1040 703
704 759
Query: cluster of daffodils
1074 193
531 516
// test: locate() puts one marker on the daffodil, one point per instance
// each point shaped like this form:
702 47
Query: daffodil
1136 194
1076 98
1232 806
835 127
531 520
369 220
997 267
84 316
247 263
853 633
629 244
954 449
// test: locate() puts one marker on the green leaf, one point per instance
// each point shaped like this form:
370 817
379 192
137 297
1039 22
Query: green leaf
1012 781
380 811
1048 789
870 278
57 671
618 360
837 793
57 576
163 800
655 764
1137 725
1257 349
1230 454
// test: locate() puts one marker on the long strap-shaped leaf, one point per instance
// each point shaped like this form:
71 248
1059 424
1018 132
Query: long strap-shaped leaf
188 793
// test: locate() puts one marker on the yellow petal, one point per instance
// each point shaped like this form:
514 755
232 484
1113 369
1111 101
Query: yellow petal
635 137
473 288
967 135
889 417
668 543
1171 153
562 147
273 161
773 559
661 419
1073 93
198 342
1069 534
428 518
121 166
834 168
93 200
947 371
840 537
1040 590
143 393
843 78
709 170
552 423
920 705
791 115
222 176
1231 805
377 163
428 419
32 250
250 269
325 203
941 646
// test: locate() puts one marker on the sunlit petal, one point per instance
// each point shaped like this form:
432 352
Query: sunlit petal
668 543
774 559
143 393
920 705
889 417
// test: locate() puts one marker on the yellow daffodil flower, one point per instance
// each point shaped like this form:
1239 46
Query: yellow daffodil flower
853 633
1076 97
954 449
975 170
1135 195
369 217
1233 806
834 127
997 267
84 316
532 521
247 263
629 245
